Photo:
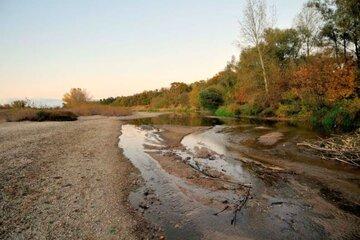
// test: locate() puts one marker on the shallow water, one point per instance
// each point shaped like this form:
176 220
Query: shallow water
186 211
174 203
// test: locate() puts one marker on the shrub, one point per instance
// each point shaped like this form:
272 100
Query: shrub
31 114
99 109
353 106
289 96
211 98
268 112
337 118
224 112
249 110
17 114
19 103
45 115
286 110
244 110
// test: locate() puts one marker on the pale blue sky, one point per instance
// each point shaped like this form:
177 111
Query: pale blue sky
114 47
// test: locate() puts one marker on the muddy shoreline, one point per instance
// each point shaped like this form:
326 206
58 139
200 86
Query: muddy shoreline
327 198
70 180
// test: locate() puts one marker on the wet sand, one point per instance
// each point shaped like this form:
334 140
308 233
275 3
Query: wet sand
294 198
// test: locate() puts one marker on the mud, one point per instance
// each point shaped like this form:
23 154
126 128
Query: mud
197 177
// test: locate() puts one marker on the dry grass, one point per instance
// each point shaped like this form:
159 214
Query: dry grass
33 114
99 109
64 114
17 114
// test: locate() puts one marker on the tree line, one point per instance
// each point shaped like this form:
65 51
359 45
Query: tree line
309 71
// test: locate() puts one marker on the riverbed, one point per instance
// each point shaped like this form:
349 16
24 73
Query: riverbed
210 178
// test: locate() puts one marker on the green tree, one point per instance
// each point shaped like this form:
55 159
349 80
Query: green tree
211 98
282 44
308 24
341 24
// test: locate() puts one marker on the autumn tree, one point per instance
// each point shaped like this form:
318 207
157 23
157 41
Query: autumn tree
322 81
76 96
253 25
194 94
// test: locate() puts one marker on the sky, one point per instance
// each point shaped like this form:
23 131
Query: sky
117 47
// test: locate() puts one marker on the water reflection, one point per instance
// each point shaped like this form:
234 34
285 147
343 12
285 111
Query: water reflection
178 119
201 120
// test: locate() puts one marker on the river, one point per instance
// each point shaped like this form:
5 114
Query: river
211 178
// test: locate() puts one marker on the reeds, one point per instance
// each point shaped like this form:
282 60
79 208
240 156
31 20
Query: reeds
60 114
99 109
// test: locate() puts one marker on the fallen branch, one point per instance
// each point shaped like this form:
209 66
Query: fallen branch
241 203
343 148
226 208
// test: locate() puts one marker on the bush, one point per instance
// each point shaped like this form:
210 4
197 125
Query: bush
17 114
268 112
19 103
211 98
337 118
31 114
249 110
44 115
286 110
289 97
224 112
99 109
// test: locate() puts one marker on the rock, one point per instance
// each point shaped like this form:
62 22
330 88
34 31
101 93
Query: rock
148 192
262 128
143 205
204 153
270 138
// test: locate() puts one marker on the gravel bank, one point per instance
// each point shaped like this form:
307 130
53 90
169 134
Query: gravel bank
66 180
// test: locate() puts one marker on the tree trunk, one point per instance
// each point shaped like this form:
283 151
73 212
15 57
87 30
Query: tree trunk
344 46
336 46
308 47
357 51
263 70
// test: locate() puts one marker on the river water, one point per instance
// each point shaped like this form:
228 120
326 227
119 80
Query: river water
269 197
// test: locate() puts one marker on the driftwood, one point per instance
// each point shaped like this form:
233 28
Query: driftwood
239 205
226 208
206 174
343 148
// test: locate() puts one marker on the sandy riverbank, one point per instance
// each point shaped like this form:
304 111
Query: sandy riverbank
66 180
